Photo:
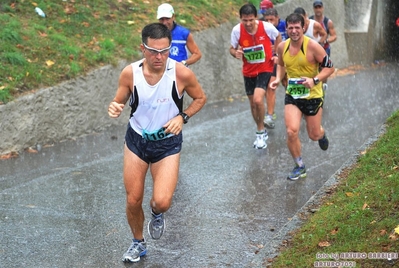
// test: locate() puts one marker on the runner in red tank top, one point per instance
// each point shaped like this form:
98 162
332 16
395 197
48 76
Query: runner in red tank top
251 42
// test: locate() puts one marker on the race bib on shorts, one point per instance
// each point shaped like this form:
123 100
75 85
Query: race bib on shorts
155 135
296 89
255 54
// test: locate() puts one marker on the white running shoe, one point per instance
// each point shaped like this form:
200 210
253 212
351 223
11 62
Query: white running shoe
260 142
325 86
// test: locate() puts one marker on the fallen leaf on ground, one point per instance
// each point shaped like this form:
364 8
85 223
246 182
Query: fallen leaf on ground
49 62
42 34
70 10
9 155
334 231
96 15
393 236
324 244
48 145
386 247
31 150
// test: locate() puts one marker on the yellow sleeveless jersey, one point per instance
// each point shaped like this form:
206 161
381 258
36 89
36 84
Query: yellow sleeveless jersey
298 66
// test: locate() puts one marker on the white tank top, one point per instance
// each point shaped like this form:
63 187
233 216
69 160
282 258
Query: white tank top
154 105
309 31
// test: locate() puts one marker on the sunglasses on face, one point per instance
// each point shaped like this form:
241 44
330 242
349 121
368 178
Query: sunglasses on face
154 51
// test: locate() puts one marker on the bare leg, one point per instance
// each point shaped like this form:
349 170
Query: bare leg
165 176
257 104
134 170
313 126
293 122
270 100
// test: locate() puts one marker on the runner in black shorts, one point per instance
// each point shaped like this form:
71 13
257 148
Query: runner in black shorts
153 140
300 58
251 43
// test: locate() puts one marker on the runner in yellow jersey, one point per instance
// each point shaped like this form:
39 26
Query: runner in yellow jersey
300 57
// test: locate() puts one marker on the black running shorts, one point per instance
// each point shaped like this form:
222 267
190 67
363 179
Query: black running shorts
261 81
152 151
307 107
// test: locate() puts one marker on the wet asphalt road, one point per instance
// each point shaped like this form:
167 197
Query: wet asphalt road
64 207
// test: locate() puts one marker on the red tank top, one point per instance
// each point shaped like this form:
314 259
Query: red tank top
257 51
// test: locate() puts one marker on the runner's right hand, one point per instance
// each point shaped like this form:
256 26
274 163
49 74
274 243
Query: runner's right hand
115 109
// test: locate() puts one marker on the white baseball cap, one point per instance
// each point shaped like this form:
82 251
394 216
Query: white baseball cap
165 11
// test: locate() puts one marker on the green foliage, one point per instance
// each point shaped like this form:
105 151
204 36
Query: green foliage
6 8
77 36
5 95
10 36
74 69
108 45
58 38
361 215
13 58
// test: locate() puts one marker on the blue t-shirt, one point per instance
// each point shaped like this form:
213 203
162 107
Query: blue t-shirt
281 27
178 50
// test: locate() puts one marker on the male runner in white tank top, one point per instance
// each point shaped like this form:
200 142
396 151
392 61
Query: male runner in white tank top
312 28
155 86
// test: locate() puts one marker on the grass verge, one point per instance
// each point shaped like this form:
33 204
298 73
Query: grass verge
360 216
75 37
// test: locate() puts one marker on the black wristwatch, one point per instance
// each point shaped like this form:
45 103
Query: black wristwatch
316 80
185 117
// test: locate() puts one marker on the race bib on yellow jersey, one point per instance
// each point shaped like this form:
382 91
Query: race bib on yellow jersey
296 89
255 54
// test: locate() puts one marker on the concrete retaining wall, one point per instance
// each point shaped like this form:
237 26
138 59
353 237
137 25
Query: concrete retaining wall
357 31
79 106
367 24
